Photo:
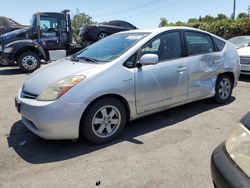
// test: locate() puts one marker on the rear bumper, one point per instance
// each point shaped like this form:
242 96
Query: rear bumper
225 173
245 69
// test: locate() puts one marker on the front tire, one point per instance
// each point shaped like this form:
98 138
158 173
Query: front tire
104 121
29 62
223 89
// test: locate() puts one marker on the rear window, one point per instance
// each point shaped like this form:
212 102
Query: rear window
1 22
219 44
13 23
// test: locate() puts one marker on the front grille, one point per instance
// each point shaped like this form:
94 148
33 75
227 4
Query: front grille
28 95
244 60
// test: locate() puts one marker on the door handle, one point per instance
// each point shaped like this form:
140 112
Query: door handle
217 61
181 68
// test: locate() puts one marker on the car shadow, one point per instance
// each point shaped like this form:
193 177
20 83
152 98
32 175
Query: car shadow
244 78
35 150
11 71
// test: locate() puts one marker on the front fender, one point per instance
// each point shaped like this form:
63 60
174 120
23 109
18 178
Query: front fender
21 46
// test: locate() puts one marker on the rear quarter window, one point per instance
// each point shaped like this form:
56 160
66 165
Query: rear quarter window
219 44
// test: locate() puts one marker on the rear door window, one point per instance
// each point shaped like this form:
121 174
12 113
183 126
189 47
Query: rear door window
113 23
125 25
198 43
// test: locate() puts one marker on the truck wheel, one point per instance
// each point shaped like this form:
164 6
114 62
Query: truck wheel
29 62
103 121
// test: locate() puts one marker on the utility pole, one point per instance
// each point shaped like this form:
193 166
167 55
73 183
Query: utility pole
233 16
248 10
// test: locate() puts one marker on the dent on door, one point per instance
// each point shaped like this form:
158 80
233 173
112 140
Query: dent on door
203 70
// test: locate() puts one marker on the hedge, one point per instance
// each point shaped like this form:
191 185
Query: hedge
226 28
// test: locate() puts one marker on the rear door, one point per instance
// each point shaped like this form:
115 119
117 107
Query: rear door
165 83
203 62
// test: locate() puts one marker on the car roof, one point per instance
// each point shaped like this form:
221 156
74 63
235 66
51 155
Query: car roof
159 30
162 29
107 22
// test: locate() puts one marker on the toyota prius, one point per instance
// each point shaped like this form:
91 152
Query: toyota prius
126 76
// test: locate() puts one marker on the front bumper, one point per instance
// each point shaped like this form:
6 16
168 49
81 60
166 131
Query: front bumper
225 173
7 59
51 120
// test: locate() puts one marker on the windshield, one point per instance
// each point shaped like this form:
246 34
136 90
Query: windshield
240 41
110 48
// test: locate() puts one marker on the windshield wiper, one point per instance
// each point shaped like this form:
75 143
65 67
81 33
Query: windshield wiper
72 59
88 59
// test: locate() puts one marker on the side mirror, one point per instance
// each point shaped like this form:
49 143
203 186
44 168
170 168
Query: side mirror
149 59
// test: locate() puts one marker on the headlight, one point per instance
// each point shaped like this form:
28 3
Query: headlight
59 88
238 147
7 50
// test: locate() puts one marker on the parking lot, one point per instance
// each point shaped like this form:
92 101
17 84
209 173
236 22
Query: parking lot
168 149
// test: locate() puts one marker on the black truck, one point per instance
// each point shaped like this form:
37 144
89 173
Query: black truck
7 25
49 31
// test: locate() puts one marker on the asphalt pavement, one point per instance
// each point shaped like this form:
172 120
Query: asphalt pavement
167 149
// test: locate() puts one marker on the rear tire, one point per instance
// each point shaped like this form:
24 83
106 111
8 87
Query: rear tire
102 35
29 62
223 89
103 121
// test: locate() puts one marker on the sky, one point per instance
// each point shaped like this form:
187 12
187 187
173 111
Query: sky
141 13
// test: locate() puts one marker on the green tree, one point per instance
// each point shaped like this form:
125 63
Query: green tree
163 22
242 15
179 23
207 18
221 17
78 20
193 20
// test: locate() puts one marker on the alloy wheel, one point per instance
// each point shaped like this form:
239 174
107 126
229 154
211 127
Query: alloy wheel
106 121
224 88
102 35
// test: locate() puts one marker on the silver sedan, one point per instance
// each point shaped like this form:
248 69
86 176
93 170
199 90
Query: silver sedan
242 44
125 76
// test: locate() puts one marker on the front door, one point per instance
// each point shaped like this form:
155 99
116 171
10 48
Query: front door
49 32
165 83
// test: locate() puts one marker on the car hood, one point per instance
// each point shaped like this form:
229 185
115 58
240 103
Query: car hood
16 32
45 76
244 51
